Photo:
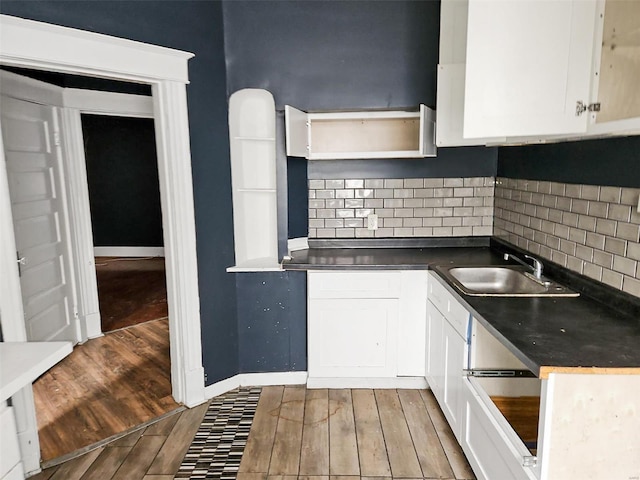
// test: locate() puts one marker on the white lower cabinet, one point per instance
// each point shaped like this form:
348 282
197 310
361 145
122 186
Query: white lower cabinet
366 324
353 337
492 447
446 352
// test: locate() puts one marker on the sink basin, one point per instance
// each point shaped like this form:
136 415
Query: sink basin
506 281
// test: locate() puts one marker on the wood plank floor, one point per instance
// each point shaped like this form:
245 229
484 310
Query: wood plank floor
130 291
105 387
377 434
298 434
340 434
151 453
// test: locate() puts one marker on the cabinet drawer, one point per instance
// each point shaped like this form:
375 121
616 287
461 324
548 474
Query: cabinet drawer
354 284
444 301
492 447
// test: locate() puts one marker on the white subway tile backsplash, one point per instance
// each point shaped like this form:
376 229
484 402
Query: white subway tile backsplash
610 194
628 231
633 250
334 223
354 203
364 193
453 182
405 207
372 183
413 203
590 229
325 194
433 182
413 183
393 183
345 193
354 184
334 184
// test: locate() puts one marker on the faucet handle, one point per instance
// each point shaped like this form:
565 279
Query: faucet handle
537 266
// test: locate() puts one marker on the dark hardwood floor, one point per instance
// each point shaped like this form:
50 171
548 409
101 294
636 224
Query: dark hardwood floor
131 291
105 387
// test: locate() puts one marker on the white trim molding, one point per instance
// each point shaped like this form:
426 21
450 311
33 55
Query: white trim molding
108 103
128 251
29 43
42 46
255 380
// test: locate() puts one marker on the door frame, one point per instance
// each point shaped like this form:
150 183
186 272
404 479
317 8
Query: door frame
75 103
31 44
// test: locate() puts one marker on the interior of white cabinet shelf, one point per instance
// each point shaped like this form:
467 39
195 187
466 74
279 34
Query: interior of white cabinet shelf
360 134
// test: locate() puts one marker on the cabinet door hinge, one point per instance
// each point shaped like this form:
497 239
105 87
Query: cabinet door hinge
529 461
56 139
582 107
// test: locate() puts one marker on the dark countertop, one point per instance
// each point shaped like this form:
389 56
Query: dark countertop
541 332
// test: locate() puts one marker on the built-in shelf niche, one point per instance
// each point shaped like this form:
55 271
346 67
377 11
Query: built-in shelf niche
252 132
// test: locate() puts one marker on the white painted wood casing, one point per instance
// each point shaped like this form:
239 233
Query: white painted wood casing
38 45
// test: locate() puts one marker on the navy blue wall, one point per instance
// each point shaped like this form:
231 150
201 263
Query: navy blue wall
194 26
319 55
609 161
272 321
122 173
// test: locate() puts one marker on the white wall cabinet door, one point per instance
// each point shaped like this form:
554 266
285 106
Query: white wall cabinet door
528 64
352 337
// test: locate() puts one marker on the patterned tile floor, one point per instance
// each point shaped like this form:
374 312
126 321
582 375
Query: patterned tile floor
217 448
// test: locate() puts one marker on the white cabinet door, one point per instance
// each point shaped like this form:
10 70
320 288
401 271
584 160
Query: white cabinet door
411 323
297 132
492 447
352 337
528 63
453 355
434 358
36 189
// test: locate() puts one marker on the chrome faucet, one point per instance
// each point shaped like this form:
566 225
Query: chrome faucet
537 266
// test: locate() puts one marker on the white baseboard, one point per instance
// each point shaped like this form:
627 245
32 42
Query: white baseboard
128 251
374 382
255 380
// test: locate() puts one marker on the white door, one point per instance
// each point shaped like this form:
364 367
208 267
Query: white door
34 171
528 63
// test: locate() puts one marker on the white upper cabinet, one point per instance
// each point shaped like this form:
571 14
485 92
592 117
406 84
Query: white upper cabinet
360 134
528 65
537 70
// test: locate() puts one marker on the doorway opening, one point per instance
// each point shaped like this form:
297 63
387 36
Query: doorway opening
118 381
43 46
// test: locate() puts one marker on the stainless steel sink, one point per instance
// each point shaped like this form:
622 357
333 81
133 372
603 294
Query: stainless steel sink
506 281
